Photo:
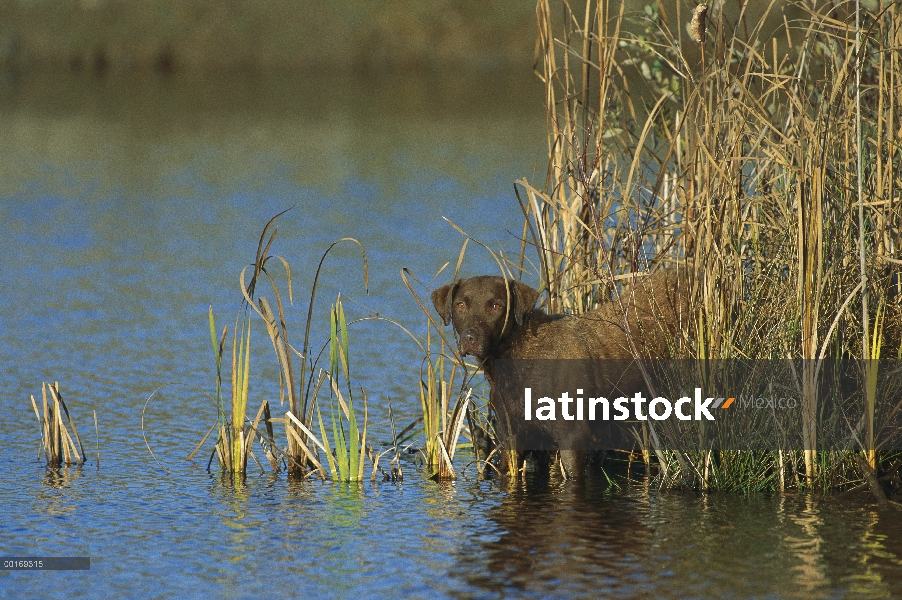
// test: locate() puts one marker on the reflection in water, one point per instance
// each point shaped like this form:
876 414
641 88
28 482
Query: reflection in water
806 546
551 540
58 497
344 506
235 495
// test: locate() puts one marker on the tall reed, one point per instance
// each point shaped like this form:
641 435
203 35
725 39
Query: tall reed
760 155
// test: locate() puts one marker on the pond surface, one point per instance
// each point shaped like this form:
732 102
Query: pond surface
128 208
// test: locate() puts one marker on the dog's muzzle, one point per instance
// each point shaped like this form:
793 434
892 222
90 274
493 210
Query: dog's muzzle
471 344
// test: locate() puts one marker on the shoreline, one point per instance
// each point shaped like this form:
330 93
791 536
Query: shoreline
269 35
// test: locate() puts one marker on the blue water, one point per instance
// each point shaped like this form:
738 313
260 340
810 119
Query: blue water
128 209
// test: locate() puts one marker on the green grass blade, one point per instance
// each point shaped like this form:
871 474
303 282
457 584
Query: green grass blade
353 449
344 343
341 451
325 438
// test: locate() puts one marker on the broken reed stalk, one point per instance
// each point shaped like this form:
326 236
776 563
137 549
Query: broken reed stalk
57 444
447 438
765 165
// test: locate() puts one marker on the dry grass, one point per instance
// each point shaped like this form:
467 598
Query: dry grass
764 164
57 444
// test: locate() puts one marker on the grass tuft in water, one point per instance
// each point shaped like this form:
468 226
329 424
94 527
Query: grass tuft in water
236 435
444 411
57 444
299 388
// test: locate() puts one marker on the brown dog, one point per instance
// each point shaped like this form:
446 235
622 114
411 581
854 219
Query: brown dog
497 320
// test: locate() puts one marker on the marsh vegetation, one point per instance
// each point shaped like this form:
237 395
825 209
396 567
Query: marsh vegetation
758 154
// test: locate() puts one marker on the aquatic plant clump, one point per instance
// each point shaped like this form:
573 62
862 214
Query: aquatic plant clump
344 451
444 411
58 445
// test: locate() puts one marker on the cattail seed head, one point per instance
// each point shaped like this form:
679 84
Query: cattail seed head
697 24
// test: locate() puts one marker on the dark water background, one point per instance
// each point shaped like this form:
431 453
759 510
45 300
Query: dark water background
128 208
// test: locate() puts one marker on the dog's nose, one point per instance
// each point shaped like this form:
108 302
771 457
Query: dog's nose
468 342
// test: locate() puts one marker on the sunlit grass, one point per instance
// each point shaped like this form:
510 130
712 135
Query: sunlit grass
236 435
765 164
443 409
348 441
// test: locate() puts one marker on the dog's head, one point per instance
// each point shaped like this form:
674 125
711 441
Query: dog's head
484 310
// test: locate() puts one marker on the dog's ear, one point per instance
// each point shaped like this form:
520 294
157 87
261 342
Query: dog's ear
441 298
523 300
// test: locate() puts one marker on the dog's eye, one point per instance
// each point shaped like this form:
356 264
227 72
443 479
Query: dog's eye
496 306
461 305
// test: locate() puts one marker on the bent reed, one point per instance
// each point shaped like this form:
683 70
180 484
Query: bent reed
758 154
301 389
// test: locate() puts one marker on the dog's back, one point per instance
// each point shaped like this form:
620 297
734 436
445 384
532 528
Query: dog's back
641 322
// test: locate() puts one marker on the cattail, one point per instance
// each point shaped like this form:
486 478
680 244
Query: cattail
697 24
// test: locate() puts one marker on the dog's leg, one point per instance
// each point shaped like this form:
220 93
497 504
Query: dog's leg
543 460
573 463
